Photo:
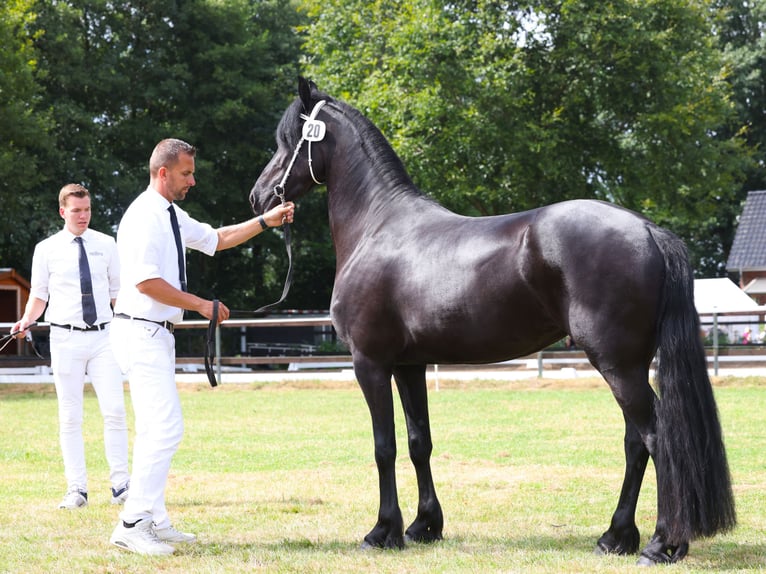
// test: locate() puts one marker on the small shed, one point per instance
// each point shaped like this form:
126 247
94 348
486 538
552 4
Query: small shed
14 292
747 258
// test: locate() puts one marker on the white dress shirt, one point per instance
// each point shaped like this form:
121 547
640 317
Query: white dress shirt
56 276
147 250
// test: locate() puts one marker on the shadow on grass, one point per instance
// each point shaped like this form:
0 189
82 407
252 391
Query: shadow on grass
710 555
276 503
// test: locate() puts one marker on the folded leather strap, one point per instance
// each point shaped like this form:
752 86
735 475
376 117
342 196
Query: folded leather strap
76 328
210 345
166 324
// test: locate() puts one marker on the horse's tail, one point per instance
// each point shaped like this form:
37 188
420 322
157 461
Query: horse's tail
693 481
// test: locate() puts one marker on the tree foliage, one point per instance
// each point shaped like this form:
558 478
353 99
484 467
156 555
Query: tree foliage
505 106
118 76
742 39
24 143
494 107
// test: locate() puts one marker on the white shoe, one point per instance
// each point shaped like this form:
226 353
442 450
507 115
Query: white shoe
170 534
74 499
120 495
140 538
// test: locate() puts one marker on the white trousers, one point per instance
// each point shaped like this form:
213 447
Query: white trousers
73 354
146 353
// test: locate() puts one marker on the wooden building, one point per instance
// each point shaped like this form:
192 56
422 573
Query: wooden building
14 292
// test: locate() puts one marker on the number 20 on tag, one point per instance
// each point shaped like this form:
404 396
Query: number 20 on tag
314 130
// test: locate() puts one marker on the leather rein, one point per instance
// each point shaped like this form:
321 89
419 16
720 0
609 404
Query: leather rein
313 131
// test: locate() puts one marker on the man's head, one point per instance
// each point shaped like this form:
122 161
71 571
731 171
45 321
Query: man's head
171 168
74 207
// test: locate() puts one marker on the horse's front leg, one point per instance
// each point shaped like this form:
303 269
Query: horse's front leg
411 382
375 381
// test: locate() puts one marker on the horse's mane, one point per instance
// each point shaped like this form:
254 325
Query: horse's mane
372 142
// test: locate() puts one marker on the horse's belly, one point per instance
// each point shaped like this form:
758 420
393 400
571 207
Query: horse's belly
462 317
488 342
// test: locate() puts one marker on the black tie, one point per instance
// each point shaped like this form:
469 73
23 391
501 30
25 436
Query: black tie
179 247
86 287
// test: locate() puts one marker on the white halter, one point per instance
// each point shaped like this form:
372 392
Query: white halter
313 131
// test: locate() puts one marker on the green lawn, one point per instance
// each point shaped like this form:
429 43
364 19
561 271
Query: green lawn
281 478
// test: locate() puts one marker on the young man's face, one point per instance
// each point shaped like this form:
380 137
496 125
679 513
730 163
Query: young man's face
76 214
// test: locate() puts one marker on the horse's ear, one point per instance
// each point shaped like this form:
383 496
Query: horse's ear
304 91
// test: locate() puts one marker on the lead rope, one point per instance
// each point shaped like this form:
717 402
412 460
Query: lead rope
279 191
210 345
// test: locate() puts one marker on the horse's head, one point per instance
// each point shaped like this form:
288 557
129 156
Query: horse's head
303 147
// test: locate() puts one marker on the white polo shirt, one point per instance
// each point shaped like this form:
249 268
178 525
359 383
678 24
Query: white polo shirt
147 250
56 276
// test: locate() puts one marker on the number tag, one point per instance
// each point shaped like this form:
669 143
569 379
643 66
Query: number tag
313 130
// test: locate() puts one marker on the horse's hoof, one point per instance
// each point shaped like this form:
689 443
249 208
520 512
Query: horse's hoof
429 538
658 553
645 561
388 545
651 558
607 546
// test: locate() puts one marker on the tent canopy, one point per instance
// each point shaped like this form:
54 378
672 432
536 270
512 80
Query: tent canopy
722 295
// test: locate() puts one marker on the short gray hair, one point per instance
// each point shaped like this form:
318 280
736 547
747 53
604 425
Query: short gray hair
166 153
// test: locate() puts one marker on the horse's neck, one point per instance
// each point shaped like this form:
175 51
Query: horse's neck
365 211
368 187
364 191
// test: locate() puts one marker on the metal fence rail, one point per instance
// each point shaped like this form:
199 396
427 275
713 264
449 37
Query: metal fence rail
750 355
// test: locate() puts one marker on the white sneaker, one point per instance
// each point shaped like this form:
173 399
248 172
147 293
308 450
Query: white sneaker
74 499
170 534
120 495
140 538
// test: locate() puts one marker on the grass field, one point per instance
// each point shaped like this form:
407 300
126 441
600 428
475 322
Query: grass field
281 478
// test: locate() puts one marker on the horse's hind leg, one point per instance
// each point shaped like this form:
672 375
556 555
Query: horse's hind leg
411 382
623 536
634 394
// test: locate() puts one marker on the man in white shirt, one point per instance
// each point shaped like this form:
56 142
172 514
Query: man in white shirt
152 299
79 346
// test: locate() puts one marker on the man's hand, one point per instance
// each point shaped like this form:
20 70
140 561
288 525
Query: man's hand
19 329
280 214
207 311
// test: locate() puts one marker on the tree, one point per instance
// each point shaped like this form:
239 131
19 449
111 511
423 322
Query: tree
742 40
118 76
24 143
505 106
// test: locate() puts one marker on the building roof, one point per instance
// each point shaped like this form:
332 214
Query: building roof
756 287
9 276
748 251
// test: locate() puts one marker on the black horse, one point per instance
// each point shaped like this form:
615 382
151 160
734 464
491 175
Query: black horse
416 284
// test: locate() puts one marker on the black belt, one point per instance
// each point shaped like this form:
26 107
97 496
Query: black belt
100 327
166 324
